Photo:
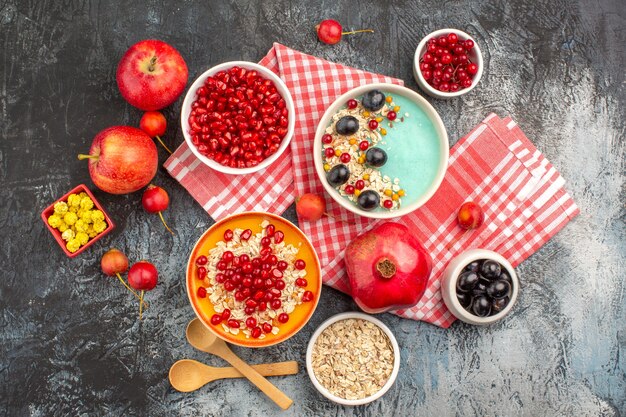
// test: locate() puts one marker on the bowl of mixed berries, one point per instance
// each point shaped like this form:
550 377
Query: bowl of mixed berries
238 117
447 63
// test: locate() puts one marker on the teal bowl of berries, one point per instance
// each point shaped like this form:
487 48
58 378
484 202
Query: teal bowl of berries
381 150
447 63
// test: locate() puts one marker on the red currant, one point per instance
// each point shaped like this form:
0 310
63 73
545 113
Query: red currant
352 104
392 115
364 145
349 189
201 260
327 139
283 318
329 152
452 38
359 184
299 264
446 59
388 204
454 87
472 68
372 124
427 75
469 44
345 157
201 292
466 83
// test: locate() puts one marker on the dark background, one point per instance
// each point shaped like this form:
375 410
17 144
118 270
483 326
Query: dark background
70 341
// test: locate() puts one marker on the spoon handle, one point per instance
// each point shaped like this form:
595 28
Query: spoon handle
276 395
265 369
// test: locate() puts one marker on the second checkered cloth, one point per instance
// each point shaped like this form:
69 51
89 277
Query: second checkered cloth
495 165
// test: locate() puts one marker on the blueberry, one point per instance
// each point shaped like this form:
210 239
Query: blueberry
498 289
338 175
474 266
368 200
466 281
481 306
376 157
373 100
464 299
490 269
347 125
499 304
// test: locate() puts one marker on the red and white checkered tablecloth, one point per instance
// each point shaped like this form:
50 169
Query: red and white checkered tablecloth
522 194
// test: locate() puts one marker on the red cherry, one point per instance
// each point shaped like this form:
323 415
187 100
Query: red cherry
143 276
154 124
155 200
470 215
327 139
352 104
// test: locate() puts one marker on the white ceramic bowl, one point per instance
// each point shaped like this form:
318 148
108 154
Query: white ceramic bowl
191 96
451 274
432 115
475 56
344 316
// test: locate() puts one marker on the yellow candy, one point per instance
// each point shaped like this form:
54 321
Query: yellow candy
99 226
73 245
361 159
366 177
86 203
70 218
366 114
396 109
383 131
357 192
60 207
337 152
73 200
352 141
395 197
97 215
62 226
388 99
81 226
54 220
401 193
388 193
326 167
67 235
379 119
82 237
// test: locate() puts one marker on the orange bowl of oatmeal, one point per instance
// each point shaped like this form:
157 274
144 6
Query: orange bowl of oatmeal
254 279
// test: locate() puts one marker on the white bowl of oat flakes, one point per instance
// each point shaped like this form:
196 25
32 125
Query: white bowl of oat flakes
381 150
353 358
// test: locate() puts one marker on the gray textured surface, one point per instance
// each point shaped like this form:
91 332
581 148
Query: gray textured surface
70 343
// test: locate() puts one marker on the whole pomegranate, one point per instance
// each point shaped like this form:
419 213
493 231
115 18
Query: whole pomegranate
388 268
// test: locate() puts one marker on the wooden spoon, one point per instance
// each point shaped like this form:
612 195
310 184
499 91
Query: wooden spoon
202 339
187 375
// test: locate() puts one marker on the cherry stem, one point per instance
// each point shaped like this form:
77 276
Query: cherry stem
141 304
165 224
83 156
163 144
357 31
128 287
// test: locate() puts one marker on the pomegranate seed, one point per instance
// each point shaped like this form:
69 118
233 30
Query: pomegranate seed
233 324
307 296
225 314
273 260
201 272
267 327
228 235
239 296
221 265
259 295
201 292
249 310
229 285
220 278
262 306
283 318
282 265
299 264
216 319
227 256
243 258
201 260
327 139
301 282
278 237
279 284
250 322
245 235
256 332
269 230
275 304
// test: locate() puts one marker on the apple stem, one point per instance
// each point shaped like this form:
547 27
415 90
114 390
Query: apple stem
357 31
163 144
83 156
128 287
165 224
152 63
141 304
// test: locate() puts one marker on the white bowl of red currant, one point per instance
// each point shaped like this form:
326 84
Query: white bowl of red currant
479 286
447 63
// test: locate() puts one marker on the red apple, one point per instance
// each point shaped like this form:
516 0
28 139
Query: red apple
151 75
122 159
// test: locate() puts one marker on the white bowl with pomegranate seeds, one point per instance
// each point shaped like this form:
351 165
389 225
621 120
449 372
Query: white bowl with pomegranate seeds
254 279
463 76
238 117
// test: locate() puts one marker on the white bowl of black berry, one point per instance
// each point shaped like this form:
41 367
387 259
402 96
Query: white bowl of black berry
479 286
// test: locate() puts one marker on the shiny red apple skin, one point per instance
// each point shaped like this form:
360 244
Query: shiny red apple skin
151 75
127 160
114 262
